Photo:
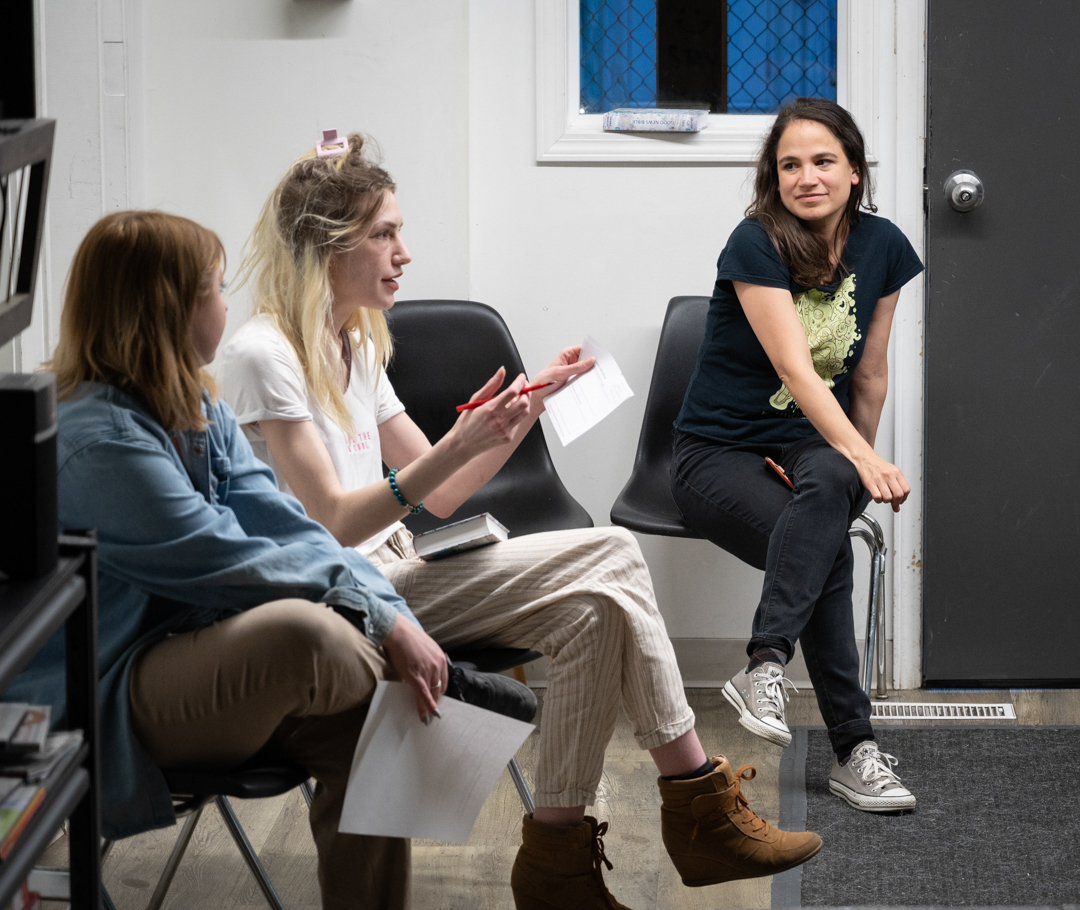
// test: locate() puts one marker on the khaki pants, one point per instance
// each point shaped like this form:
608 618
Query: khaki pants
298 676
585 599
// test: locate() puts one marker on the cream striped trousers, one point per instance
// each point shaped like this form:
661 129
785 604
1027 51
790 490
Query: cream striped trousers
584 598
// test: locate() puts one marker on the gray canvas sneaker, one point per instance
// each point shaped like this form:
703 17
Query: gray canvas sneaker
758 695
868 781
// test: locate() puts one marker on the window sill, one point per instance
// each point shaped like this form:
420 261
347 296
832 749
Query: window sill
728 139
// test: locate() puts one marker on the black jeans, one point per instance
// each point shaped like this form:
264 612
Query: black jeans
730 496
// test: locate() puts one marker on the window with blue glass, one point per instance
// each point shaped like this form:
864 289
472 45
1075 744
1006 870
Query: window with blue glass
730 56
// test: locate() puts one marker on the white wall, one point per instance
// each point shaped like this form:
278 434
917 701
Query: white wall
218 98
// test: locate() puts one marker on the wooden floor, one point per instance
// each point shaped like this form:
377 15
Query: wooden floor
476 876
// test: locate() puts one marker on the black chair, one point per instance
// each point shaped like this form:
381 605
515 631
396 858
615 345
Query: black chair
444 350
261 777
645 503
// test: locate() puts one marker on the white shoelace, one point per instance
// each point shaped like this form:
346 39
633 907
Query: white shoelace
774 682
875 768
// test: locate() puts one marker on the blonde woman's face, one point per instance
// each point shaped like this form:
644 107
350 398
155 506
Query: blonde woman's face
208 318
367 274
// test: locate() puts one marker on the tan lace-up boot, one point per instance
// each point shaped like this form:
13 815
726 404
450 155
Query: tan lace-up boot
558 867
713 836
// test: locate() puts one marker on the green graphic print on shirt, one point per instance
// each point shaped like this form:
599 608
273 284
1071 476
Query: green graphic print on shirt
831 331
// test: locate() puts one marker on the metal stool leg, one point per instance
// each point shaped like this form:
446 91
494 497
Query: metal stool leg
173 863
238 835
522 787
308 791
874 539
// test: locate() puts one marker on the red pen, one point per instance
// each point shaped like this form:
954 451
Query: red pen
476 404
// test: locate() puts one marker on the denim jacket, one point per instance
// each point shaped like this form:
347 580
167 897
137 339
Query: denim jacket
191 529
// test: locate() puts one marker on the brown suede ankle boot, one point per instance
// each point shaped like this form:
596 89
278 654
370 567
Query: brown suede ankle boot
713 836
558 867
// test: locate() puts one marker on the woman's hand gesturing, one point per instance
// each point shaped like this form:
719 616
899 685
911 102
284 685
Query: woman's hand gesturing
492 424
565 365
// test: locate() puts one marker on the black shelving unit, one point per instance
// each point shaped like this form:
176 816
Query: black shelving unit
30 611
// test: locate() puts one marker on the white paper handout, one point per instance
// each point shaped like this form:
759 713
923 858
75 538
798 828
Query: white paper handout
412 780
588 398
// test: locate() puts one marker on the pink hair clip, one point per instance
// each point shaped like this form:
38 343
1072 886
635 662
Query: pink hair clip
332 145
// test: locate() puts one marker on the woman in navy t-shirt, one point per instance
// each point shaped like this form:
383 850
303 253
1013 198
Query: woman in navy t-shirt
774 450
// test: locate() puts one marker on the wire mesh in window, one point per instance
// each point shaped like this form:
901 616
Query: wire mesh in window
779 50
732 56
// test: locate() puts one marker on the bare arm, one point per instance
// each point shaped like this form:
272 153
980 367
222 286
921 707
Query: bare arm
777 327
870 380
353 516
441 476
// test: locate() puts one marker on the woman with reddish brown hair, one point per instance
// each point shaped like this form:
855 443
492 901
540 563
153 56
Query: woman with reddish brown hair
229 623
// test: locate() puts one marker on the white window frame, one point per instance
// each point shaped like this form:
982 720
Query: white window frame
566 136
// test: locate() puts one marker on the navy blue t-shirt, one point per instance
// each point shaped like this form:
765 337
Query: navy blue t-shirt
735 395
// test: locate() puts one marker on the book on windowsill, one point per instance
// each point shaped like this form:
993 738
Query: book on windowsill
467 534
16 811
655 120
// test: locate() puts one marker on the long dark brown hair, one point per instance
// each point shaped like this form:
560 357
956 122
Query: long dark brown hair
805 253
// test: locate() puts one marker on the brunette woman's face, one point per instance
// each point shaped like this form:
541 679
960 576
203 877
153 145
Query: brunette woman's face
367 274
208 318
814 173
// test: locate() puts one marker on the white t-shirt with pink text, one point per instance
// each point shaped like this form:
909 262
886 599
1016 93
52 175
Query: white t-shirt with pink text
261 378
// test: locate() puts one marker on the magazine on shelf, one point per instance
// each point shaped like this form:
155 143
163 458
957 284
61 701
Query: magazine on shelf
467 534
32 730
11 715
16 810
36 766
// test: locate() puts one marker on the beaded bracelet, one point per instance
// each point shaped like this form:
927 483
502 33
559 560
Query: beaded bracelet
397 493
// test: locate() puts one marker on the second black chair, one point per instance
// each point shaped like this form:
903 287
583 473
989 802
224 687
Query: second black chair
645 503
444 350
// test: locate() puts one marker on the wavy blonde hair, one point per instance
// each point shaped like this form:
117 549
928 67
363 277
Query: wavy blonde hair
321 207
126 322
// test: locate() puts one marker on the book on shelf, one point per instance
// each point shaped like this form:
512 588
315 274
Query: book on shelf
36 766
11 715
24 898
458 536
656 120
16 810
31 731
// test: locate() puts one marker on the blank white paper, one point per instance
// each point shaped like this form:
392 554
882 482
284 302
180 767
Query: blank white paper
589 397
412 780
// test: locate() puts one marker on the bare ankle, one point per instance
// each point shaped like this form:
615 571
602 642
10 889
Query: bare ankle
557 815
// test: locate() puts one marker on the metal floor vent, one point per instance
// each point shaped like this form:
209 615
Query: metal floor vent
940 711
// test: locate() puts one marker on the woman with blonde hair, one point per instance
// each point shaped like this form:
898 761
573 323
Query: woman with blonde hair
229 622
306 378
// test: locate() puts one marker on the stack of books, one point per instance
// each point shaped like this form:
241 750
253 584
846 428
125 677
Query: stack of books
28 756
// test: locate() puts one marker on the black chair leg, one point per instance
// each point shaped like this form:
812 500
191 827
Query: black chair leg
257 869
173 862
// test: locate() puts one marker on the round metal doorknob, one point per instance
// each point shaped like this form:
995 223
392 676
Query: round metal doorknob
964 190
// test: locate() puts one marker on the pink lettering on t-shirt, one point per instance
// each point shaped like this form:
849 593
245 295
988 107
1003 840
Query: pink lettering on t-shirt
361 442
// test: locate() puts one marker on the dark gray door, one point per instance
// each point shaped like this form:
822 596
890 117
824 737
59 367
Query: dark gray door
1001 599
